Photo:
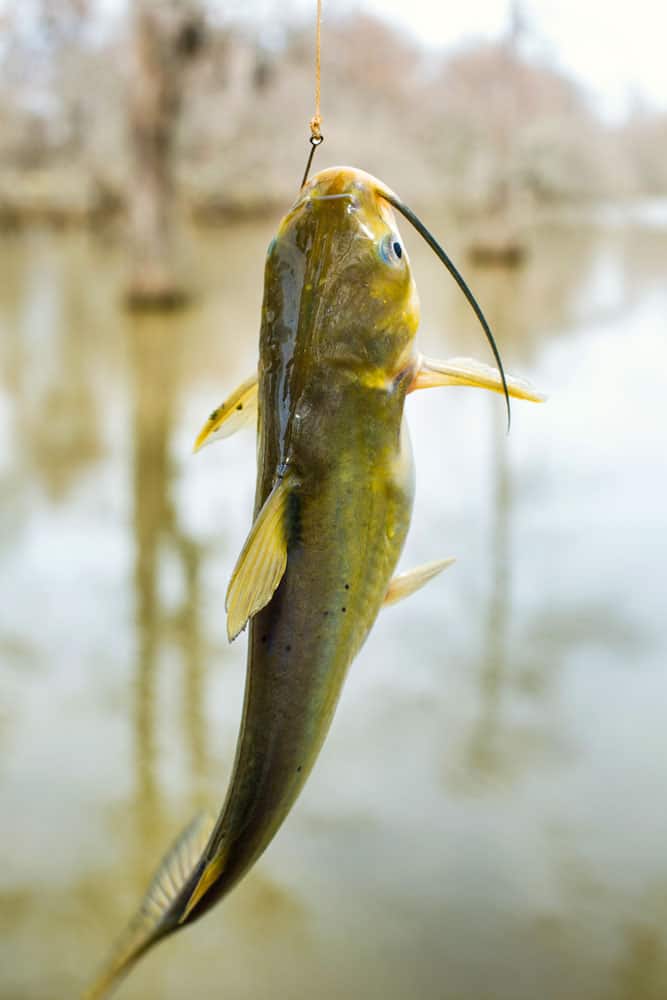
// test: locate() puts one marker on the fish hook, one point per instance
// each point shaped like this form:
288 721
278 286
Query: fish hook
315 141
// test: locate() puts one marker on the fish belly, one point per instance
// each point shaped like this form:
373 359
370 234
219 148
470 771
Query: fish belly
349 532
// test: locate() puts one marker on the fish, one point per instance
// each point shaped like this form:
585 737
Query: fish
334 496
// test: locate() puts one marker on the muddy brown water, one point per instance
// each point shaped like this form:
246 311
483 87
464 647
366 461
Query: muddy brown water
488 820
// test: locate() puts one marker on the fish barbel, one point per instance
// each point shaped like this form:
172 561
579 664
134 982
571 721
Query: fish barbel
332 508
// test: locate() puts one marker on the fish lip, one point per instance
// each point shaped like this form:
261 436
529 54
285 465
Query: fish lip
332 197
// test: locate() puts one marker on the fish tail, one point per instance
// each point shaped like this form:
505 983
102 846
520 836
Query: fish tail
160 910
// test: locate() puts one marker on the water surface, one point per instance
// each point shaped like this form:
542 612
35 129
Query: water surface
487 820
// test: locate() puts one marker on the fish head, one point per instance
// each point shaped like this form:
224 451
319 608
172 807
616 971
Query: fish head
353 297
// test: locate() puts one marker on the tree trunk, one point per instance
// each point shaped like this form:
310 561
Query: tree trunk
162 40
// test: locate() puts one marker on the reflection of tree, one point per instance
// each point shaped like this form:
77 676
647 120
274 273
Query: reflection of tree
634 923
189 636
527 666
13 349
57 413
641 972
155 347
486 738
153 401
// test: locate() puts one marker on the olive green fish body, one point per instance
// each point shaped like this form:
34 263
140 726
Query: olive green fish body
331 422
340 559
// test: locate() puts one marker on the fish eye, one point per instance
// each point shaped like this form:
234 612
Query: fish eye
391 250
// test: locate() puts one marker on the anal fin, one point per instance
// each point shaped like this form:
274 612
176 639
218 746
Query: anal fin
154 918
237 410
407 583
263 559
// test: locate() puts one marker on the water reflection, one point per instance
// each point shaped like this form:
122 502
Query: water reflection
524 305
642 969
486 743
56 415
155 347
189 626
153 352
534 676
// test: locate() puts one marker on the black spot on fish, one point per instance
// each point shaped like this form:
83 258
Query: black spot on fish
347 586
288 649
240 406
299 767
325 613
214 415
264 638
343 610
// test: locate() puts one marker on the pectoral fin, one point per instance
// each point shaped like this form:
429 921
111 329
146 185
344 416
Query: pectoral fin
466 371
407 583
237 410
156 916
262 562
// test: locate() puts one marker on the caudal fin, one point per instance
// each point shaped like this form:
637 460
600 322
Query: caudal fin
157 915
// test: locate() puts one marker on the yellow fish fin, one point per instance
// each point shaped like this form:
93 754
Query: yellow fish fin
407 583
154 918
237 410
466 371
262 562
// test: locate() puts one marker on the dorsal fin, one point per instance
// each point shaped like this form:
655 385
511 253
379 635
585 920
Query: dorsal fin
260 567
154 918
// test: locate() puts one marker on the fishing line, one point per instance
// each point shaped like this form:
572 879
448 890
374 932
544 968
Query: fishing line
316 137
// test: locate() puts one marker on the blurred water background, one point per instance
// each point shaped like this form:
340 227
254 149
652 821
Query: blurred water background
487 820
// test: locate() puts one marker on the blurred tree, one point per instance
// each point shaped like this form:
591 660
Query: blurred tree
515 131
491 130
643 138
166 38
